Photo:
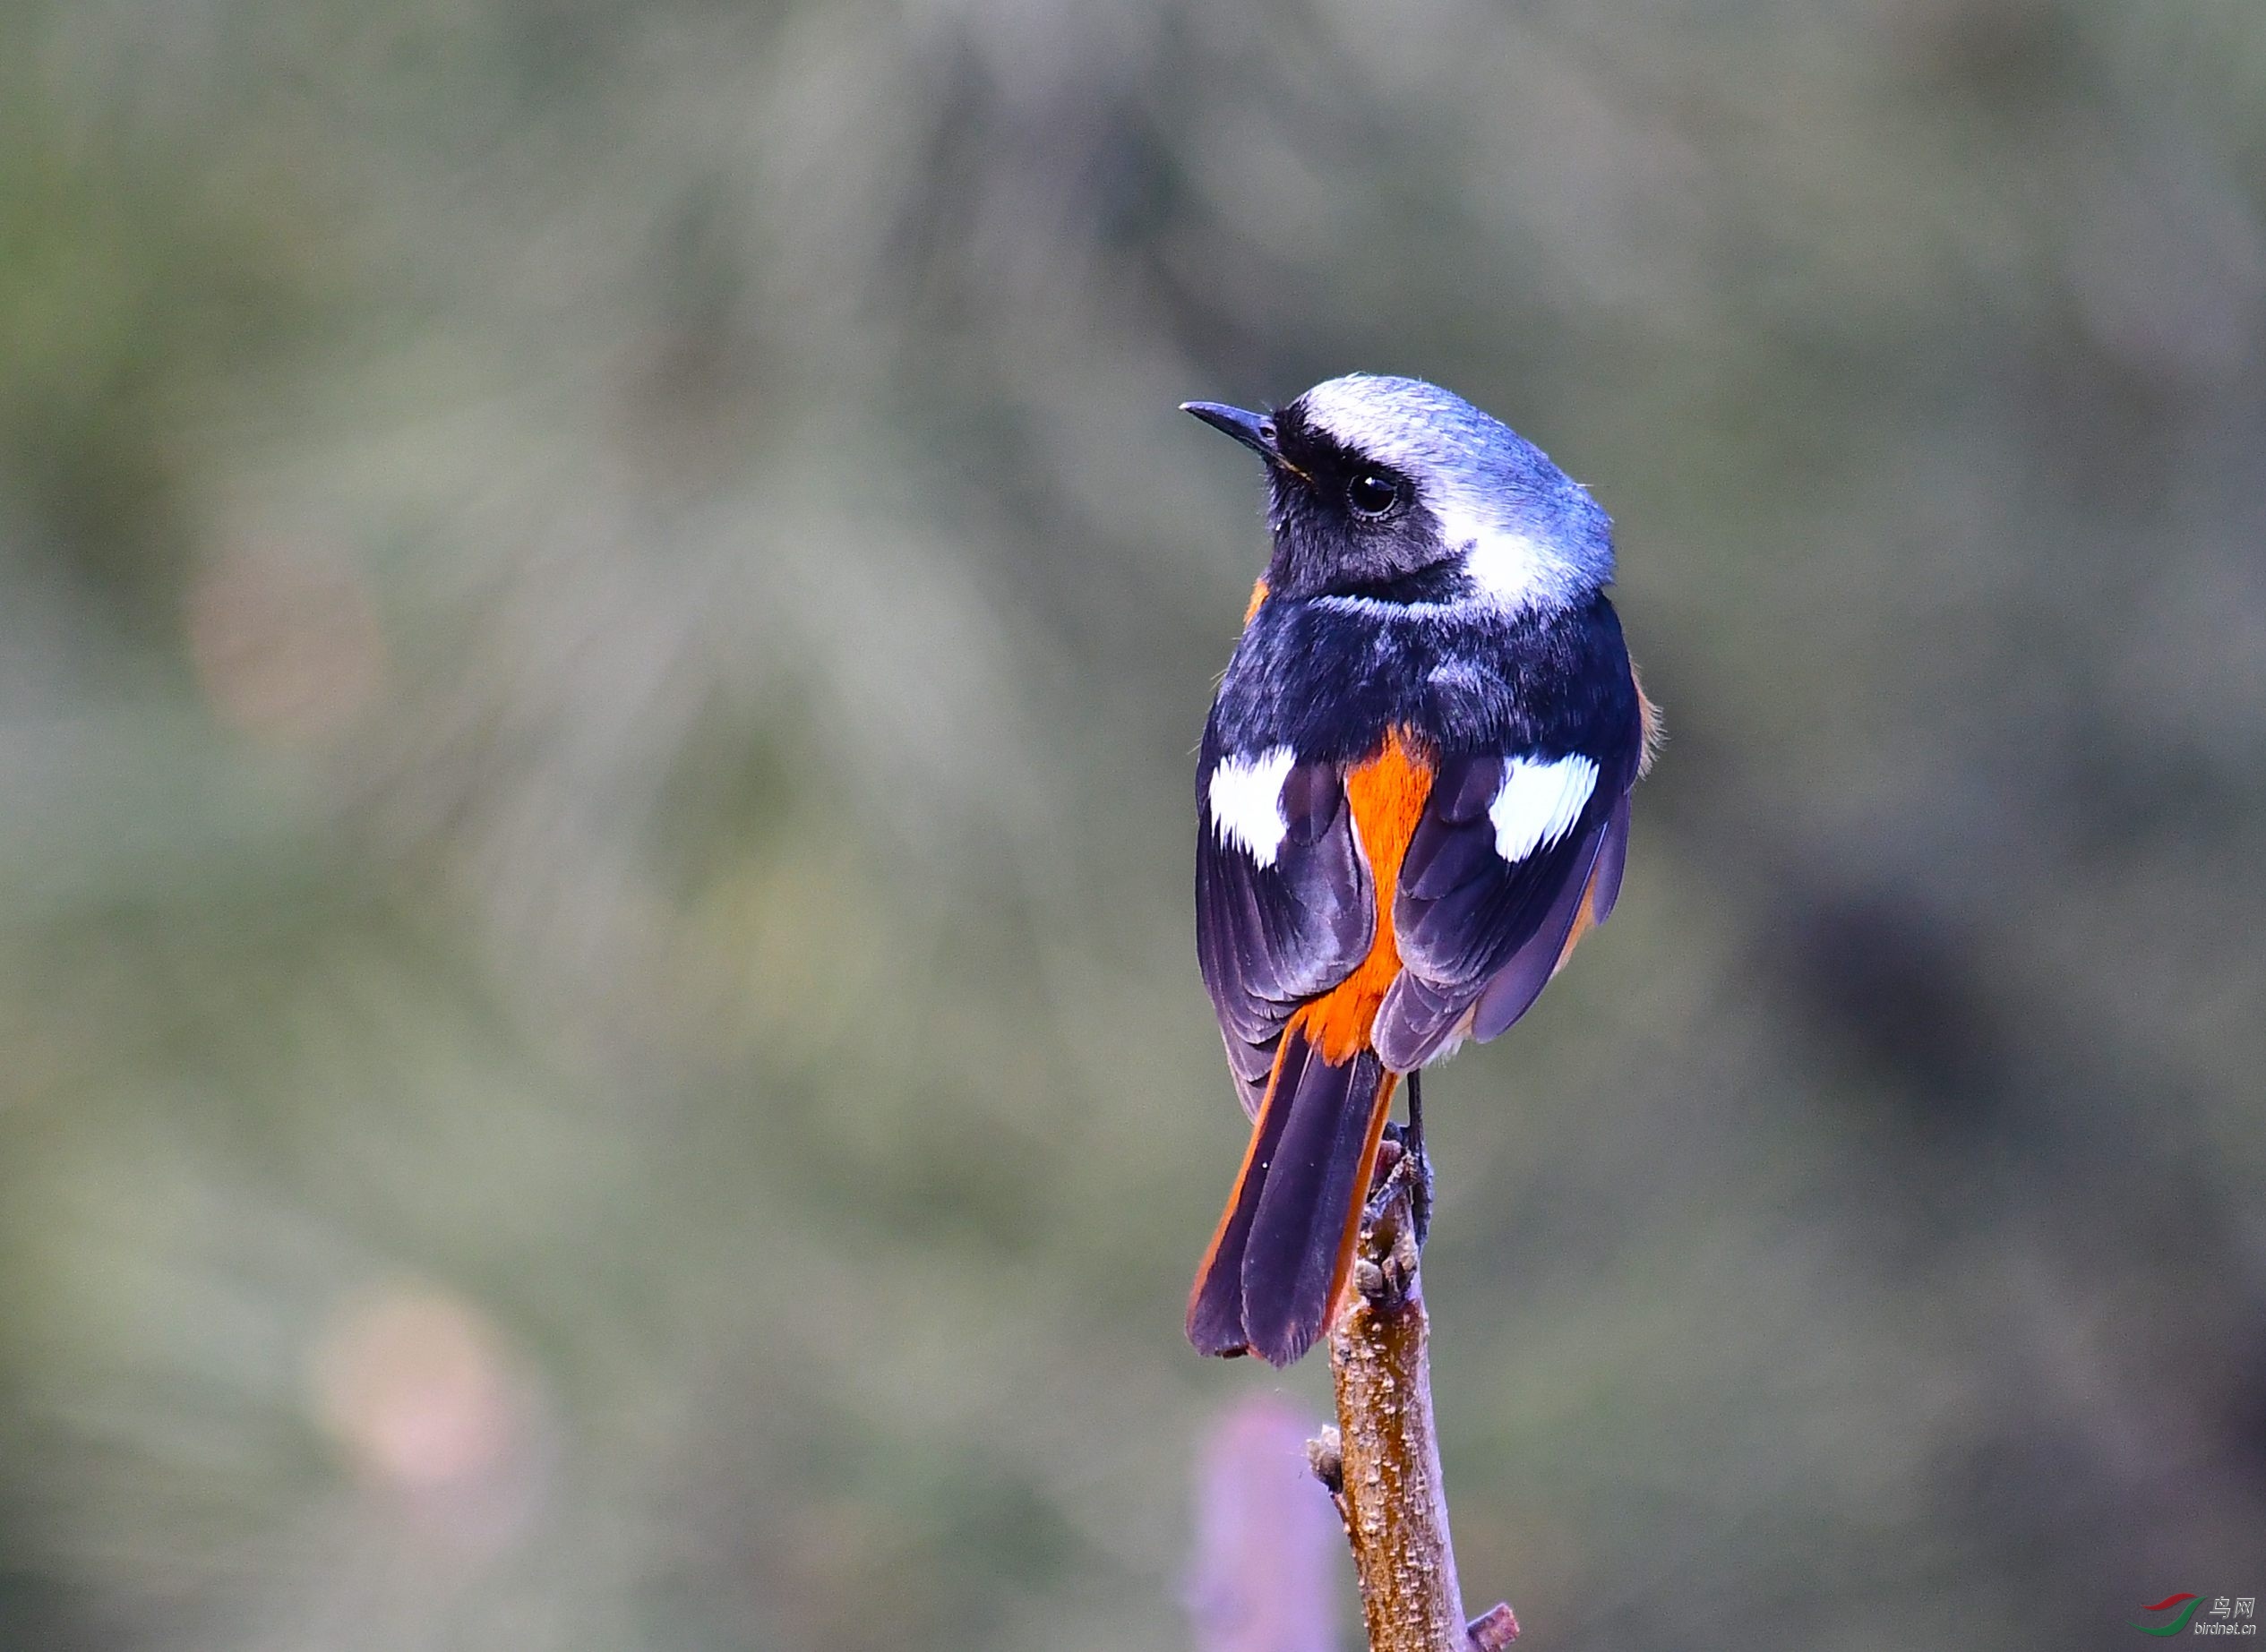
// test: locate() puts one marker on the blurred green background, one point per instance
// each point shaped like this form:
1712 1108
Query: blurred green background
602 616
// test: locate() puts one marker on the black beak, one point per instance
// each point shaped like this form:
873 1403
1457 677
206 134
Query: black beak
1255 431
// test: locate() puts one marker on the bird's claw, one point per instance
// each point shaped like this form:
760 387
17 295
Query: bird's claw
1407 1169
1385 1268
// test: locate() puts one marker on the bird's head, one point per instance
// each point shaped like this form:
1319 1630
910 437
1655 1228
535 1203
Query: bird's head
1399 491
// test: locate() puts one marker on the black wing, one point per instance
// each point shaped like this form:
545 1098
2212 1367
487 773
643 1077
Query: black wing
1270 936
1480 935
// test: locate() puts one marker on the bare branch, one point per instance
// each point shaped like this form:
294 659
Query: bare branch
1384 1463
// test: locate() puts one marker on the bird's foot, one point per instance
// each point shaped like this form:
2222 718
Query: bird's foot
1403 1165
1392 1227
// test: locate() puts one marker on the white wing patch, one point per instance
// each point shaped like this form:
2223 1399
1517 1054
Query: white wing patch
1538 803
1246 802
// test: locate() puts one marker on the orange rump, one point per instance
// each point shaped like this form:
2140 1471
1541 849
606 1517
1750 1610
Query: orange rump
1386 794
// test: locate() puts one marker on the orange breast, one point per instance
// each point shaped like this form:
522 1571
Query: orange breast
1386 795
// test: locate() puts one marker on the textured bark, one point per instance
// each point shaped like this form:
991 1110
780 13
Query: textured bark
1382 1462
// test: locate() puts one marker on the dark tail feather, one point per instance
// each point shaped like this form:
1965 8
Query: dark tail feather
1301 1239
1284 1244
1215 1306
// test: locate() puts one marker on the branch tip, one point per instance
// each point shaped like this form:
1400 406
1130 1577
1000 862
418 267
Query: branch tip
1394 1505
1494 1629
1325 1455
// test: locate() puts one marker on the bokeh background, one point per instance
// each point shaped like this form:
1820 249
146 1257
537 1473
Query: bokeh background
603 615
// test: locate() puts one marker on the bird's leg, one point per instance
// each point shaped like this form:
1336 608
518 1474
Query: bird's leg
1403 1167
1419 1194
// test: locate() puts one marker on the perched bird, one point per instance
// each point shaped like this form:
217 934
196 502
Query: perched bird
1412 798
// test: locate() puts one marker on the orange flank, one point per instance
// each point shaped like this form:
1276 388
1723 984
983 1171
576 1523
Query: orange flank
1584 921
1258 596
1650 733
1386 795
1652 728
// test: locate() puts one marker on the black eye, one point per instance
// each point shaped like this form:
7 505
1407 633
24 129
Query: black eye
1372 494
